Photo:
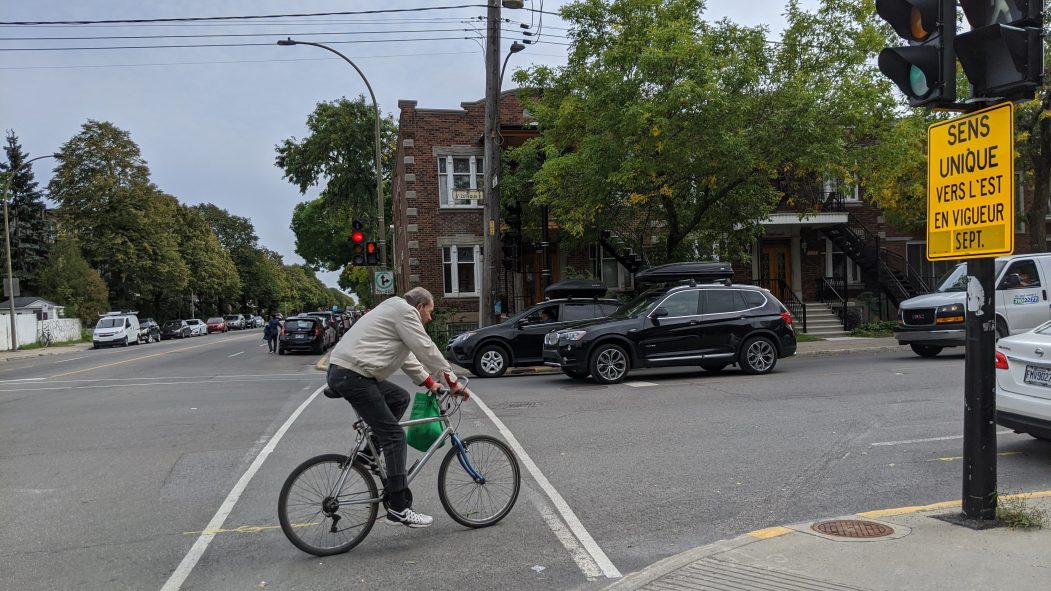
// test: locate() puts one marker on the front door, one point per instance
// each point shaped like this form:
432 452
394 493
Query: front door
775 267
671 338
528 339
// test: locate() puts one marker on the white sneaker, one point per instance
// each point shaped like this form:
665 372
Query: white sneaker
408 518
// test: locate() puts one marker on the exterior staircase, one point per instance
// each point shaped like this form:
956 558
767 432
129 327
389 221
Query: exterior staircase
823 322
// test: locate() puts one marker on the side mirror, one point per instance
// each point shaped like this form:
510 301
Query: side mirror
1011 281
660 312
522 323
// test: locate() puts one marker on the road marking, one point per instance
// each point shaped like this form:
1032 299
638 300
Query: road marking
182 571
151 384
954 458
576 551
69 373
582 535
22 380
770 532
945 505
236 354
946 438
637 384
74 359
245 375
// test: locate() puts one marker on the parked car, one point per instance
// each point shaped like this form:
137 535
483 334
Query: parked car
305 333
149 331
235 321
708 325
116 328
934 321
1023 382
217 324
519 340
198 328
175 329
331 320
259 321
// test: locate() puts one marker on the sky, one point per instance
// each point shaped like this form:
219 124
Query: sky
207 119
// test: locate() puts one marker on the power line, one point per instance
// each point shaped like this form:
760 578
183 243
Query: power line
108 47
220 62
243 17
212 35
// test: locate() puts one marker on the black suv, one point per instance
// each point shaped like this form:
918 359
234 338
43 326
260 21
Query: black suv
519 341
149 331
708 325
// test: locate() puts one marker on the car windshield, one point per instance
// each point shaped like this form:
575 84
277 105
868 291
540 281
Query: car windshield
637 306
231 317
110 323
214 320
173 324
956 278
299 324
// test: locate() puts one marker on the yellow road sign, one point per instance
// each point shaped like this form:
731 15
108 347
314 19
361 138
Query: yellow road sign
970 185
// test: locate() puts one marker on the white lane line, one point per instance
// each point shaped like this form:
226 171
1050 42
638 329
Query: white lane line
74 359
236 354
576 551
946 438
21 380
246 375
638 384
582 535
151 384
182 571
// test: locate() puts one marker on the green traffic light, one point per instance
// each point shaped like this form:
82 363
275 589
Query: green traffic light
918 82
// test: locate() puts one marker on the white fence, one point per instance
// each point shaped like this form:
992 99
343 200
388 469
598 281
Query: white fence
29 329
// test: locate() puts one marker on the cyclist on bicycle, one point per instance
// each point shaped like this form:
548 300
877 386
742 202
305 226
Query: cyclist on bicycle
389 337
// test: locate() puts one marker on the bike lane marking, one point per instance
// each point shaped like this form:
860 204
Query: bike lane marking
601 561
182 571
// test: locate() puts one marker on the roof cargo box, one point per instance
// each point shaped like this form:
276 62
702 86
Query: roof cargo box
699 271
576 288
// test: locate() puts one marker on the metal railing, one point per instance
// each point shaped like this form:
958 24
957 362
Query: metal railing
782 291
832 291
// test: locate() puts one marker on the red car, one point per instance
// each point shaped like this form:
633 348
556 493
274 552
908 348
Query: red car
217 324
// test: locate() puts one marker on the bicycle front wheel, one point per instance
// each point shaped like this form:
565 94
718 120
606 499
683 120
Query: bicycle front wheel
473 503
317 518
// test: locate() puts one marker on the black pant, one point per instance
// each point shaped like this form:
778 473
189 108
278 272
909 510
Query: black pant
272 343
381 405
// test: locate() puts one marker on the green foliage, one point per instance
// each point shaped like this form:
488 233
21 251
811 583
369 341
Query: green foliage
234 232
68 280
359 281
880 328
1017 513
438 327
323 230
27 222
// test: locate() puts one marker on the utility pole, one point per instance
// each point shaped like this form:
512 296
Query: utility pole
491 194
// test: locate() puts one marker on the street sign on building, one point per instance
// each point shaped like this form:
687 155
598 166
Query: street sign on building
384 282
970 185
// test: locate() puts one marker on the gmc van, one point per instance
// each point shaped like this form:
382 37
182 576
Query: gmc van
116 328
931 322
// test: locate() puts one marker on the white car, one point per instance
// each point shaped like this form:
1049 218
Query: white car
197 327
1023 382
115 328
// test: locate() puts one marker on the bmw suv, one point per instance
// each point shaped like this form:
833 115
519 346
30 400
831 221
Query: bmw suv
711 326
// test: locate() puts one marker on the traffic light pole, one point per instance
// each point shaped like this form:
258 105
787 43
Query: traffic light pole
979 414
491 191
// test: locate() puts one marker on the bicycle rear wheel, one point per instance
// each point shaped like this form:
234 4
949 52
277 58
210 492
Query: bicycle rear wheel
479 504
320 520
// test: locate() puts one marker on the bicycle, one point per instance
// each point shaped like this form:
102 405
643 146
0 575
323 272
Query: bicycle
328 504
45 338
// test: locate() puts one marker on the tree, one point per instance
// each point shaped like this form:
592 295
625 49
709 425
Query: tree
662 124
212 271
122 221
67 279
359 281
340 153
1033 125
27 218
234 231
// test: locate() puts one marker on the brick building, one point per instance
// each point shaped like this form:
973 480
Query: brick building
843 257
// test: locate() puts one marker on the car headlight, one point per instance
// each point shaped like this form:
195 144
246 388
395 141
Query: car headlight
463 336
572 335
949 314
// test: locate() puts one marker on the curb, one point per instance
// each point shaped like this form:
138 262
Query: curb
878 348
17 355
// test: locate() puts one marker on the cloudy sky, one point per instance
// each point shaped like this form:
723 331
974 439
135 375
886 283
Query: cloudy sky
207 118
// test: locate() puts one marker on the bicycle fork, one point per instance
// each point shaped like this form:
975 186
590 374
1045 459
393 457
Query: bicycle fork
465 460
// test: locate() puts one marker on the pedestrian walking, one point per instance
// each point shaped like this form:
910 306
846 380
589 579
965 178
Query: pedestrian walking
272 331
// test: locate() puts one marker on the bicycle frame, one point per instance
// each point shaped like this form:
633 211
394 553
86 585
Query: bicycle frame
417 467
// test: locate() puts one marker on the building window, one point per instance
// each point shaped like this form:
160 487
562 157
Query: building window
460 181
849 192
839 264
608 270
460 266
930 271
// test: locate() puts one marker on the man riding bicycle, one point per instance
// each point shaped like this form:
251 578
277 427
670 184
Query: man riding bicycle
389 337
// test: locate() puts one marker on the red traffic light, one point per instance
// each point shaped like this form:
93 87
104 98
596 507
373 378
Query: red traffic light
370 247
357 237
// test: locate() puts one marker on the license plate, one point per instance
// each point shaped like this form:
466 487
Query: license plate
301 336
1038 376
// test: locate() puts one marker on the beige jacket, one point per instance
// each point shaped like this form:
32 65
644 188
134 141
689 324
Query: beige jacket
389 337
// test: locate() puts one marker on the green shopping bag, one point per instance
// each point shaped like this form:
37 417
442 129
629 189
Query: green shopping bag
422 436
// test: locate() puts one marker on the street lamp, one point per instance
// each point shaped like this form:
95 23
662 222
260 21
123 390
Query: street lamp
7 244
379 166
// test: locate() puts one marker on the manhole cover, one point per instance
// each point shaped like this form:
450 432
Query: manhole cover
852 528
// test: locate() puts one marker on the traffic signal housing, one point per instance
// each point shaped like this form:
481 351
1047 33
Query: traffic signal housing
510 252
357 243
925 69
372 255
1003 54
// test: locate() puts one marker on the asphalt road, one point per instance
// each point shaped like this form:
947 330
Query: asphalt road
113 463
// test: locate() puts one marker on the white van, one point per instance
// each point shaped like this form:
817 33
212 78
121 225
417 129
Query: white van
931 322
116 328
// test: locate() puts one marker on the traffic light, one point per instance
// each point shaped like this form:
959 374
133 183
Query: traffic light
372 255
513 218
509 247
1003 53
357 243
925 69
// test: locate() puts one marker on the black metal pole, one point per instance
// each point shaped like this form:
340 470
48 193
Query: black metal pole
979 416
545 240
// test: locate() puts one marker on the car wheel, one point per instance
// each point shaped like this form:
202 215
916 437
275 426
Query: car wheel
926 350
713 367
125 342
576 374
758 356
280 351
609 364
490 362
1001 329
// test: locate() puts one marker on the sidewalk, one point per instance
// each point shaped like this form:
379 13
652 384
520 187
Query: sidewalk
29 353
893 550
